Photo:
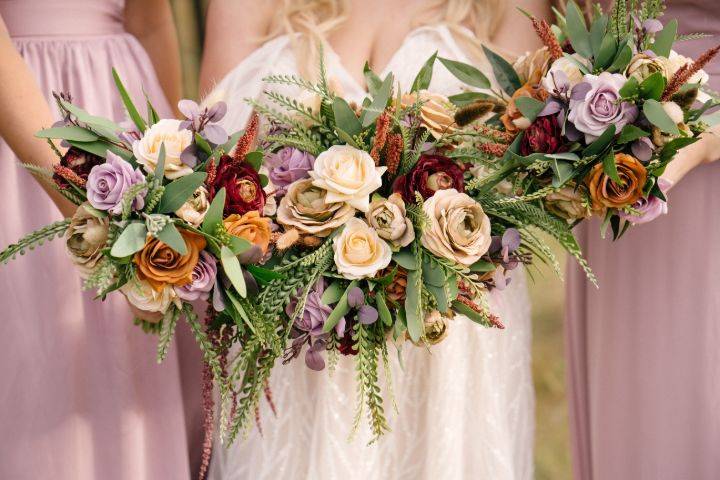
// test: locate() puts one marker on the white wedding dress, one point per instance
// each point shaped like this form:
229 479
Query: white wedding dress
465 406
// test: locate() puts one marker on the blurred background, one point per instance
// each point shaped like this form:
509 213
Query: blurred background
552 455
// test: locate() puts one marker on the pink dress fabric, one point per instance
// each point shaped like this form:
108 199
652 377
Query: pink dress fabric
643 350
82 396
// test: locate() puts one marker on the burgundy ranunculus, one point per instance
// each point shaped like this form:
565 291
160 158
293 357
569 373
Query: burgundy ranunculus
544 135
430 174
80 162
243 191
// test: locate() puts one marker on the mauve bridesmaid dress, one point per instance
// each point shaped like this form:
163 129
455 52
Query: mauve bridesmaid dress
82 397
644 350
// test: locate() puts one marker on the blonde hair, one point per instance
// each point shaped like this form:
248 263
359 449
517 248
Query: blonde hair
308 23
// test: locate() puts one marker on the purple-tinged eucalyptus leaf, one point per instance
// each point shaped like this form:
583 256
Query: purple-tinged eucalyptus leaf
189 108
185 125
215 134
561 81
251 256
642 149
572 133
652 25
250 283
188 156
355 297
511 239
217 111
580 90
218 302
367 315
551 108
495 244
314 360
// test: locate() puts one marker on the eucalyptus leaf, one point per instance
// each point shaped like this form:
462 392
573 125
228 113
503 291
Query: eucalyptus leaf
170 236
100 148
610 168
214 215
406 259
262 274
129 105
231 266
577 30
332 293
240 310
340 310
443 303
180 191
255 159
371 79
345 137
466 73
345 118
466 98
482 266
203 144
413 305
622 59
562 172
653 86
598 31
665 38
463 309
131 240
383 310
601 143
432 272
160 165
655 113
606 53
379 101
505 74
631 133
529 107
424 76
630 89
239 245
70 132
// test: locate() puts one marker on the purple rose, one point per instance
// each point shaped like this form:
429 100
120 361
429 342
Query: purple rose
312 320
108 182
648 208
203 279
595 105
287 166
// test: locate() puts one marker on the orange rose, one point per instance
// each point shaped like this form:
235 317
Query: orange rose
512 119
160 265
605 193
251 227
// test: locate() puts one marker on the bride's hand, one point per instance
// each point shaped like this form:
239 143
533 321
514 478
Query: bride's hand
706 150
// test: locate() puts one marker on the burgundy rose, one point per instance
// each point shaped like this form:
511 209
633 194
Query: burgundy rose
243 190
544 135
430 174
78 161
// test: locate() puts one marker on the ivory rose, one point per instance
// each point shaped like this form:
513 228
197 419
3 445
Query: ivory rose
359 251
86 236
569 71
458 229
305 207
160 265
165 132
194 210
437 112
145 297
388 218
251 227
348 175
677 61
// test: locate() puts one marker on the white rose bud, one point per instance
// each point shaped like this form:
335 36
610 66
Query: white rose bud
165 132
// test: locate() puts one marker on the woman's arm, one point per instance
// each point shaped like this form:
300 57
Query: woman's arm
705 150
24 111
152 23
515 33
233 28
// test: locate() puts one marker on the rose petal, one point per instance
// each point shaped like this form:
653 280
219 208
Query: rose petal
367 315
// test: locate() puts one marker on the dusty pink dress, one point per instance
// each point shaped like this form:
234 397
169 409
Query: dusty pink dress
81 396
644 350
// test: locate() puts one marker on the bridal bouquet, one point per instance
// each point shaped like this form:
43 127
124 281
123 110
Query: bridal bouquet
595 115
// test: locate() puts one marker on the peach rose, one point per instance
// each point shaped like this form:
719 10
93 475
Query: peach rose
160 265
436 112
605 193
251 227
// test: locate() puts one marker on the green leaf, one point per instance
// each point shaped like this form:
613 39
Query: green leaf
622 59
371 79
577 30
379 102
607 51
203 144
131 240
340 310
71 132
466 73
101 125
653 86
264 275
100 148
241 311
170 236
332 293
160 165
562 172
345 137
465 98
610 168
383 310
345 118
482 266
630 133
129 106
179 191
255 159
432 272
505 74
601 143
630 89
597 34
406 259
441 297
463 309
655 113
424 76
231 266
665 38
413 305
529 107
214 215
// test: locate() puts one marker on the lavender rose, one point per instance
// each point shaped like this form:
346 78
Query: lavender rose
315 313
203 279
288 165
648 208
594 105
108 182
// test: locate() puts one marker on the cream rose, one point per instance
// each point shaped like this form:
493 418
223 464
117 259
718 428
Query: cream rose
305 207
194 210
677 61
167 132
348 175
388 218
436 112
86 236
569 66
359 251
458 229
143 296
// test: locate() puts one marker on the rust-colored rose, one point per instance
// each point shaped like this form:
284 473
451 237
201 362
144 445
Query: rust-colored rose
251 227
512 119
160 265
605 193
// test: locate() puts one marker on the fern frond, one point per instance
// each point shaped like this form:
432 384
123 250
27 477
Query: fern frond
167 331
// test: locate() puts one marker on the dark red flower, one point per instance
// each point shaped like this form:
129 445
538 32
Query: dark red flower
430 174
544 135
80 162
347 345
243 191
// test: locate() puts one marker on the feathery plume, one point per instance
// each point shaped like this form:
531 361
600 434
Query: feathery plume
67 174
394 152
382 125
494 149
687 71
248 138
548 38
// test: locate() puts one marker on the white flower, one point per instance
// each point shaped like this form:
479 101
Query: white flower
458 228
194 210
348 175
677 61
167 132
142 295
569 67
359 251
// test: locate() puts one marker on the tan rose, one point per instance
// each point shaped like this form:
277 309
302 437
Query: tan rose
532 62
436 327
194 210
436 112
388 218
458 229
569 202
160 265
86 236
165 132
605 193
251 227
359 251
305 207
642 66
